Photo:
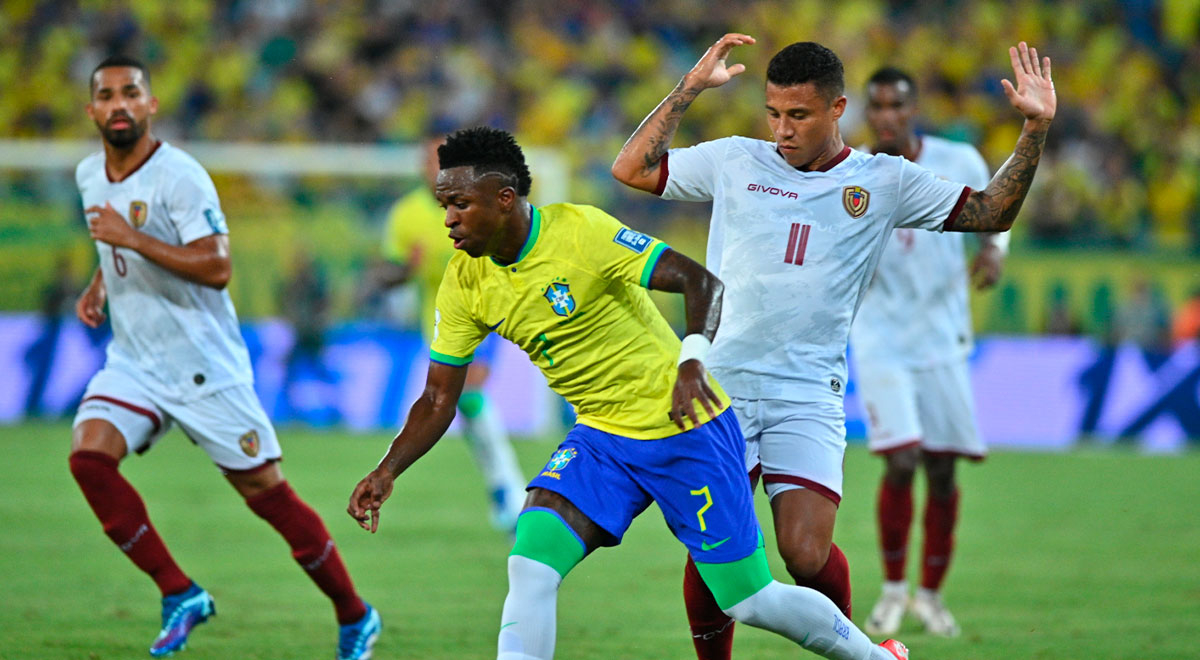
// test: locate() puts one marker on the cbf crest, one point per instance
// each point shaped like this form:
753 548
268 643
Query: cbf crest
558 294
139 211
558 462
855 200
249 443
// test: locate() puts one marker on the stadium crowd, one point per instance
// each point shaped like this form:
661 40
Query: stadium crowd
1122 168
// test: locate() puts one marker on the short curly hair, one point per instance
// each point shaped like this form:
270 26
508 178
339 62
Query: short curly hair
488 150
808 62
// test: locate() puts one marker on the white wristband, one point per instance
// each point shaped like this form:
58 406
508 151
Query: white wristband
695 347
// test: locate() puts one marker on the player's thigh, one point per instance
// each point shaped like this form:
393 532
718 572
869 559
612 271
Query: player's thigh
585 471
117 416
804 521
947 409
803 446
889 397
697 478
591 534
231 426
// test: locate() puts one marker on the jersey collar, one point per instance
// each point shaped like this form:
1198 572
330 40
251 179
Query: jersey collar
535 228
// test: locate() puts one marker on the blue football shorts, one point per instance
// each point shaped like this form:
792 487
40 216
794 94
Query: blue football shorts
697 478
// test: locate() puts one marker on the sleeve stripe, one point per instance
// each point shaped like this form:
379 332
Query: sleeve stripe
948 225
442 358
651 262
663 175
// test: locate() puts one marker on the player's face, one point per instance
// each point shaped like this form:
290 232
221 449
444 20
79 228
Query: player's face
475 209
121 105
802 120
891 113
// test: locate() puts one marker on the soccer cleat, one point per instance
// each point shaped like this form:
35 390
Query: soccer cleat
180 613
897 649
888 611
927 606
356 640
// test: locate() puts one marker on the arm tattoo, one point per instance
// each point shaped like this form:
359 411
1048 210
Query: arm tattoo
995 208
658 128
702 291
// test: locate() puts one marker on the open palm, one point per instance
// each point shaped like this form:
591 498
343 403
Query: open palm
1033 94
711 70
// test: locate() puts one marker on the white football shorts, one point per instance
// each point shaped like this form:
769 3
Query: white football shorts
229 424
930 407
797 445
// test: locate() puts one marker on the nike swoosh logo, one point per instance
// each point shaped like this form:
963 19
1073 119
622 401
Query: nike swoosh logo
706 547
493 327
510 623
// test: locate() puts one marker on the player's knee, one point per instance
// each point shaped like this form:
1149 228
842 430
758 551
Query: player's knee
734 583
544 537
803 555
902 465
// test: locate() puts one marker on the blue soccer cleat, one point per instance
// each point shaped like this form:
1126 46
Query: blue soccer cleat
356 640
180 613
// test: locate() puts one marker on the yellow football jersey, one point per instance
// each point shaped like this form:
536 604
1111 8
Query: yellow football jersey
575 301
416 230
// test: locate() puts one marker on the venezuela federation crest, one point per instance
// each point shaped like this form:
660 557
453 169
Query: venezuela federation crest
138 212
855 200
249 443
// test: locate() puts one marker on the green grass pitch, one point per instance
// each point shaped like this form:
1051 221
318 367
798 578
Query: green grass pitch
1090 554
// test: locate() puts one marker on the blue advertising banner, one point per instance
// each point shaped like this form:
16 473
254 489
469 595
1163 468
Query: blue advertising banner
1030 392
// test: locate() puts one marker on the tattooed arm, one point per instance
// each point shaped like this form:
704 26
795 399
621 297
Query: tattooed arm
638 163
995 207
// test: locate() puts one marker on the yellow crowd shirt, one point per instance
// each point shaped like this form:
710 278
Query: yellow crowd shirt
416 235
575 301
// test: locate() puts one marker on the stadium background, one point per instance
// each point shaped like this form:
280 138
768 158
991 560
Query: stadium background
1077 554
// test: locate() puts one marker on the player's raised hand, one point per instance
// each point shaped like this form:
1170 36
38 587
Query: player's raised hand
1033 93
105 224
90 306
986 267
692 384
368 496
711 70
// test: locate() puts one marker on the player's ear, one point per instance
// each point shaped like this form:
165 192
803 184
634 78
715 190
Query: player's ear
507 196
839 107
153 105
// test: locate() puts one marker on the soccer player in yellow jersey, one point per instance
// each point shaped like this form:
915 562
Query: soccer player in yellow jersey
416 250
567 283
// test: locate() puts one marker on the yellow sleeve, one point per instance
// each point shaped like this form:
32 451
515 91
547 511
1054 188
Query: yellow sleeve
618 252
456 332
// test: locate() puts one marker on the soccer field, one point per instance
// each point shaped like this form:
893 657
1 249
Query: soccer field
1092 554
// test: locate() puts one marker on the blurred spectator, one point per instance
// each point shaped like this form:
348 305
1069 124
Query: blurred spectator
58 302
1144 319
307 382
1187 320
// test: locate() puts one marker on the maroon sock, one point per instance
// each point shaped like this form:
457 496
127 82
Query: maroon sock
312 547
123 515
833 579
712 629
941 514
895 512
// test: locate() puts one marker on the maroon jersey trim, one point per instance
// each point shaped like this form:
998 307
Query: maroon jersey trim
153 150
129 406
662 176
807 483
948 225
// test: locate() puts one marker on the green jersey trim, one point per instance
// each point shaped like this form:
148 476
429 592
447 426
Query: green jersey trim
648 270
450 359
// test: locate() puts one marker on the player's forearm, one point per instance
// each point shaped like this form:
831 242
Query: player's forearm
995 208
702 291
428 420
637 163
206 261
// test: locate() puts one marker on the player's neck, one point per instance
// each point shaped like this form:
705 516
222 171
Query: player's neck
832 150
120 162
911 150
516 232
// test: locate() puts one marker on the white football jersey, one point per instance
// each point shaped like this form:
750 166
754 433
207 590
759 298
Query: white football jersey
796 250
915 309
179 337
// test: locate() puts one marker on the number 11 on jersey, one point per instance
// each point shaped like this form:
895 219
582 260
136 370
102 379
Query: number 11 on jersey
797 244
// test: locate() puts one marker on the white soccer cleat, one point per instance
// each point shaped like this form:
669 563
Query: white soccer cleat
927 606
889 610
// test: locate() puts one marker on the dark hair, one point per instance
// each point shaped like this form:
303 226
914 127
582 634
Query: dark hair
805 62
890 75
119 61
488 150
